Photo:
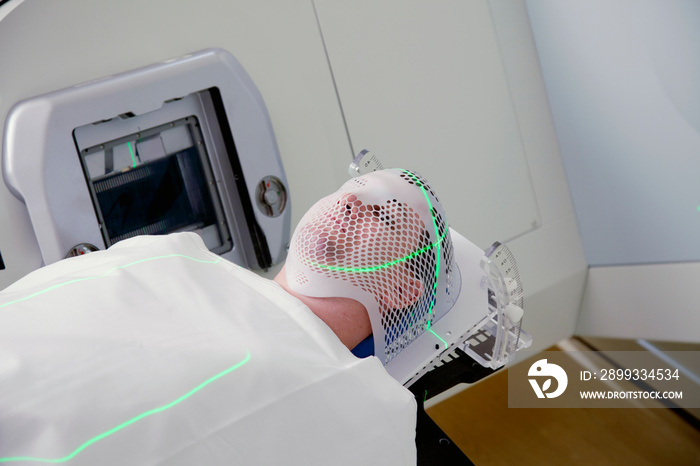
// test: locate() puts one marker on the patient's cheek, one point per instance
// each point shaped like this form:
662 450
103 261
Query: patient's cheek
344 237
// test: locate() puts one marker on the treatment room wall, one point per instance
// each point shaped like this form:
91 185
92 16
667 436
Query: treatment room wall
622 79
47 45
451 89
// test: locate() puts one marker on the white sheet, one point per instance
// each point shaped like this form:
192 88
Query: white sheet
111 358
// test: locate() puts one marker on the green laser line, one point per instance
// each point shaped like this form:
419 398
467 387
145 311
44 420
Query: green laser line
402 259
405 258
439 338
381 266
131 151
435 245
437 235
77 280
132 420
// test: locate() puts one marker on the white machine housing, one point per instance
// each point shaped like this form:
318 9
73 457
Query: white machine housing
59 145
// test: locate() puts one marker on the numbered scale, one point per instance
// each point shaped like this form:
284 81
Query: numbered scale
364 163
501 335
497 336
480 350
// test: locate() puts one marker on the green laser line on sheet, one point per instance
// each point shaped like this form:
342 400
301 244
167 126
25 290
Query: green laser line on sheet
132 420
78 280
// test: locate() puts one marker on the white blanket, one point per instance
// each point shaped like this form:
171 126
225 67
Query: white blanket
160 352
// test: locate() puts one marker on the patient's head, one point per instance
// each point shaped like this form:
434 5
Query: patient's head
382 241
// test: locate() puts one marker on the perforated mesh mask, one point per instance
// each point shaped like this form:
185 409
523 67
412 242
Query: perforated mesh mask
381 239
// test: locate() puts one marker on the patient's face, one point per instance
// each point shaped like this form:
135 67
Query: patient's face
367 244
381 240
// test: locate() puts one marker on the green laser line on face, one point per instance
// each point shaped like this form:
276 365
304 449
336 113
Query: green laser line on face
437 235
435 245
405 258
381 266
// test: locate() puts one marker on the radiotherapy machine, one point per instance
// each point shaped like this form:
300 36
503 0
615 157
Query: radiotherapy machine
187 145
182 145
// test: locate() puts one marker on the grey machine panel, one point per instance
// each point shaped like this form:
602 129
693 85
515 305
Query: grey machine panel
183 145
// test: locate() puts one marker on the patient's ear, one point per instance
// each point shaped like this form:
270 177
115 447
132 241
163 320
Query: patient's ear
399 295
